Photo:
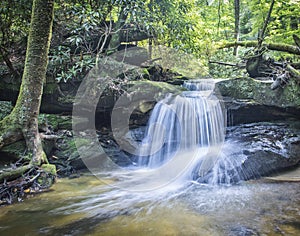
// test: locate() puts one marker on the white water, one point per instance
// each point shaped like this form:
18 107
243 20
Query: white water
185 140
185 122
200 85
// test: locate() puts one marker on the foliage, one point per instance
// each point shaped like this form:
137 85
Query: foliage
14 21
83 28
63 66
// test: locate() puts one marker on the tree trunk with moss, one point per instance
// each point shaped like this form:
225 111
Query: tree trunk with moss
117 34
23 120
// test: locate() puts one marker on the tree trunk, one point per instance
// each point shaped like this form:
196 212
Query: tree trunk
116 36
263 31
236 24
23 120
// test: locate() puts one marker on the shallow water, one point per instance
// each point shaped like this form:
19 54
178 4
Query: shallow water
89 206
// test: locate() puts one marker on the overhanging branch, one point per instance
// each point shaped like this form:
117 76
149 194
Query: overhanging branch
271 46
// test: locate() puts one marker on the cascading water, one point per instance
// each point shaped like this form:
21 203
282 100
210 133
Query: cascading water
188 131
184 122
200 85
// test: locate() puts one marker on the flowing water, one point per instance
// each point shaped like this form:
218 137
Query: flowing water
182 185
88 206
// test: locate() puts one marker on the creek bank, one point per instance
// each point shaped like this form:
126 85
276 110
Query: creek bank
252 102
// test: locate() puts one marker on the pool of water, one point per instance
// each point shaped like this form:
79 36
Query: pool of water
91 206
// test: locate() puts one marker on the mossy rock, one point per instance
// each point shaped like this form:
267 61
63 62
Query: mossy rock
154 88
261 92
55 122
48 175
49 168
15 150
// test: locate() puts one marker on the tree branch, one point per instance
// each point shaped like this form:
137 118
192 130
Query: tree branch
262 33
295 73
271 46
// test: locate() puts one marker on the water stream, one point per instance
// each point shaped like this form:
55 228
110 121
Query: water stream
87 206
182 185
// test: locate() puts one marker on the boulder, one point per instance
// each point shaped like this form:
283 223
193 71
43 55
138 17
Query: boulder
249 100
255 150
269 147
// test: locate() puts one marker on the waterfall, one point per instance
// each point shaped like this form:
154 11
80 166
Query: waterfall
200 85
192 122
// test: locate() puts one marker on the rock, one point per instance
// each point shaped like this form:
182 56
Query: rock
132 55
249 100
48 168
47 176
252 151
143 95
243 231
14 151
289 176
269 148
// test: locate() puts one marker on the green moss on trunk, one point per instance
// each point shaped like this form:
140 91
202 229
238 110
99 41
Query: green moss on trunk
23 120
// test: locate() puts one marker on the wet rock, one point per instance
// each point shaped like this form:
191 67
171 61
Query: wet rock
269 148
254 150
142 95
67 155
243 231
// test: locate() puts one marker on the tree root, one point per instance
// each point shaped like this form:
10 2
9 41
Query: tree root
33 180
13 173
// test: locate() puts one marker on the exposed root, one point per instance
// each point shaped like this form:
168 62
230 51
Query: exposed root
35 180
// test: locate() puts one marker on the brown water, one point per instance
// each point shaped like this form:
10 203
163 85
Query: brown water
88 206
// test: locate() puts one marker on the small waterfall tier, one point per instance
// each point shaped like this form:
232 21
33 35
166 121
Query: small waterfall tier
200 85
188 121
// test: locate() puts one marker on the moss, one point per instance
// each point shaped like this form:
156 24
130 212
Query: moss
9 86
49 168
15 150
49 88
56 122
145 107
156 87
261 92
66 99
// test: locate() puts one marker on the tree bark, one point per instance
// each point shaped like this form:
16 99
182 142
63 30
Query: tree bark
23 120
271 46
116 36
236 24
263 31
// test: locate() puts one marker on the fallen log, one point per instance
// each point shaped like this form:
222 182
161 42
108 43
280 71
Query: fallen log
271 46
